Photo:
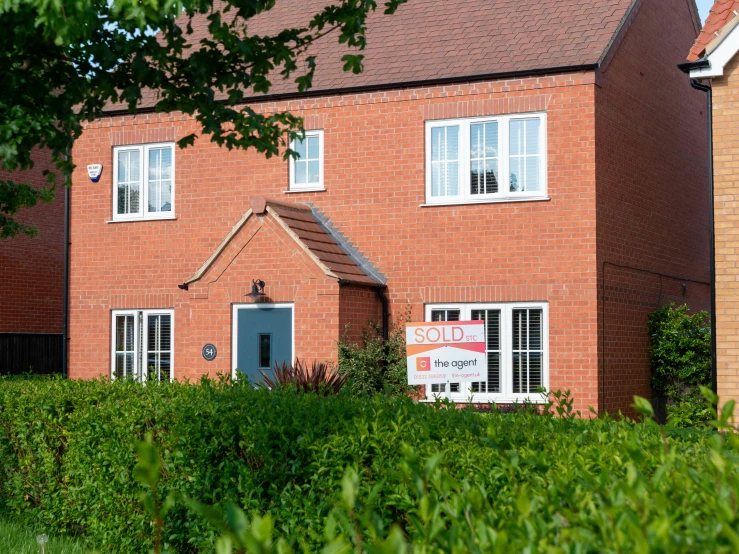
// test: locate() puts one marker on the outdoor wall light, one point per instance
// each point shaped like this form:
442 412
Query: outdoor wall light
257 288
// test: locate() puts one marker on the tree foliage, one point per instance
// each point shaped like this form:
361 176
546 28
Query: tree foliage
61 63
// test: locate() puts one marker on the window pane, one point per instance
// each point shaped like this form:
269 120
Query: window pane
154 196
166 192
265 351
527 350
492 343
452 137
484 158
165 367
435 178
532 173
166 331
313 143
532 136
437 143
314 175
128 181
160 180
159 346
452 178
516 174
301 168
299 147
445 161
491 176
477 176
155 164
516 137
166 163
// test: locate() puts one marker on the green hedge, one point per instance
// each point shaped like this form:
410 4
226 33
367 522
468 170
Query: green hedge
451 480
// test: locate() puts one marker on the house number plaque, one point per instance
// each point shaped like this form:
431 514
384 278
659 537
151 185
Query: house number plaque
209 352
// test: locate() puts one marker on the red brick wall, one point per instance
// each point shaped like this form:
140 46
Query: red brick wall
358 307
651 169
374 176
32 269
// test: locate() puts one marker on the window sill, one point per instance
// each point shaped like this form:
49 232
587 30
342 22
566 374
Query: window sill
294 191
466 202
140 219
483 399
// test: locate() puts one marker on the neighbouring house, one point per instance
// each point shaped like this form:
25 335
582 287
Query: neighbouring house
32 282
539 165
713 61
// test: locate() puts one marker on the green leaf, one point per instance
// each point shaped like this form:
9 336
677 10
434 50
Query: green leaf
643 407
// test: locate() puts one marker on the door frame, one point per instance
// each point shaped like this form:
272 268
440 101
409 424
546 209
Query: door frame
235 327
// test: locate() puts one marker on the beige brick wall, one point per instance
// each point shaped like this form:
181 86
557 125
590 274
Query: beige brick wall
726 206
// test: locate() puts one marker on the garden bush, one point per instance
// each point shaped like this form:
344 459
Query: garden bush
680 349
376 365
346 473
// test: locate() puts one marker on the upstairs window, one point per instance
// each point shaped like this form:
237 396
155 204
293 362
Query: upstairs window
143 186
306 172
486 159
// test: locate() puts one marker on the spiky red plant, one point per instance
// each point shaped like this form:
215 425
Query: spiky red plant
319 377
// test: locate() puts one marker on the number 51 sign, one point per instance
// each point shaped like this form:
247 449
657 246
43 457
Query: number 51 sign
446 351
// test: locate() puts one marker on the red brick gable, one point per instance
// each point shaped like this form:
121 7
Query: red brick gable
300 223
722 12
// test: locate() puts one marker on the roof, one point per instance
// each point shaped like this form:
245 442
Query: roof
721 14
311 230
428 40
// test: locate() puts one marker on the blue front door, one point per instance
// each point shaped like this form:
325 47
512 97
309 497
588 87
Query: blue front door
264 337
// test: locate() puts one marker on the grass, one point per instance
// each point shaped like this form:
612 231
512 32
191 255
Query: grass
17 538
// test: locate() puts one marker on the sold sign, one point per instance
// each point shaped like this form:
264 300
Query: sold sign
446 351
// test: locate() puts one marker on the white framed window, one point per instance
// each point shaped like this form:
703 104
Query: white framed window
142 345
143 182
486 159
306 172
517 345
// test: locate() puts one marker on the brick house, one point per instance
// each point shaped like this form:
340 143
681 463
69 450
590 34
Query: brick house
538 166
713 61
32 282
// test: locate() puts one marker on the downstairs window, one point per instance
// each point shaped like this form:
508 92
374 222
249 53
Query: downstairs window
517 347
142 345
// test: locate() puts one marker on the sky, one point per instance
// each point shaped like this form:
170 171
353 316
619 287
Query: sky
703 7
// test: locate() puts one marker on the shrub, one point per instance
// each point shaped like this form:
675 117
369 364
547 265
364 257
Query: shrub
376 365
680 349
385 472
320 378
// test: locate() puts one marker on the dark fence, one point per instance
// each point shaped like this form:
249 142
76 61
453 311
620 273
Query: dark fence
30 353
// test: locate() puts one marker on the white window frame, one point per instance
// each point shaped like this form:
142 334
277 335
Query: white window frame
143 213
506 395
504 175
309 187
141 342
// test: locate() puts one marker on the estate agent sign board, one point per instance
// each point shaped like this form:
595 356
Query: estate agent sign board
445 351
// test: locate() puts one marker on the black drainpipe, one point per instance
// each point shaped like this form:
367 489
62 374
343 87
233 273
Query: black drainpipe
385 313
65 313
686 67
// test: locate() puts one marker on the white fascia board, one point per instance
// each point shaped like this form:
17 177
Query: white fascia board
719 57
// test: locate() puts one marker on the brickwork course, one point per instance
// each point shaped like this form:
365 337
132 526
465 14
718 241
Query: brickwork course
32 269
626 211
